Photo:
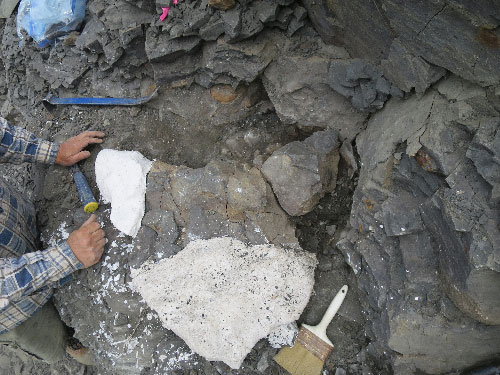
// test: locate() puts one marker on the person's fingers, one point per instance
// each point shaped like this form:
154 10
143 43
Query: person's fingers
100 244
82 142
92 133
99 234
95 140
79 156
90 220
93 227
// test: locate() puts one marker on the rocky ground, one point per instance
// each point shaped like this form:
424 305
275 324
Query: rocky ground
365 132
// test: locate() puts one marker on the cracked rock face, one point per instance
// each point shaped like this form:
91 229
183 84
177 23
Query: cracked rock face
297 83
425 231
459 36
221 296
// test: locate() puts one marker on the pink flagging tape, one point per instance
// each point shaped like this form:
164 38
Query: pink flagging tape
164 14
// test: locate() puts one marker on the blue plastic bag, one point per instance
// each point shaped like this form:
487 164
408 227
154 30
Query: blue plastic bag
47 20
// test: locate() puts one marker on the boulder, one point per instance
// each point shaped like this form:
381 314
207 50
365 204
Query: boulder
297 84
301 173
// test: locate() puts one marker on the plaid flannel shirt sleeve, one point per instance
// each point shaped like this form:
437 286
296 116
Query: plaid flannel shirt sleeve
26 274
18 145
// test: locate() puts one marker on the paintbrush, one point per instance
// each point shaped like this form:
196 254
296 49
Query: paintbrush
312 347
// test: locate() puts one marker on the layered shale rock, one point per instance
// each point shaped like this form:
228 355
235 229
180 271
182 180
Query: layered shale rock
416 39
424 241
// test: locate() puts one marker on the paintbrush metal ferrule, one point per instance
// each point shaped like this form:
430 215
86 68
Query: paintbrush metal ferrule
314 344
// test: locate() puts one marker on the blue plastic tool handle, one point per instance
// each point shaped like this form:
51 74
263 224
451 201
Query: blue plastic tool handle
99 101
83 187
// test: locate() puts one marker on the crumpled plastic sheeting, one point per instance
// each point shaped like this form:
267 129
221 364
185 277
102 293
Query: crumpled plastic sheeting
47 20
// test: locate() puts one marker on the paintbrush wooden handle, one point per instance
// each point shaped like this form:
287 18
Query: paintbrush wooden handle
320 329
333 308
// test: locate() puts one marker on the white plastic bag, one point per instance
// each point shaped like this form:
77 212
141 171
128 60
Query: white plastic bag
47 20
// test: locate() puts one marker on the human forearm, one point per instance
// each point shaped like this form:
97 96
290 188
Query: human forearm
18 145
26 274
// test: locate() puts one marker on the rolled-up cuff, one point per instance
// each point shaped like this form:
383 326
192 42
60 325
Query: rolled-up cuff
70 256
65 261
47 152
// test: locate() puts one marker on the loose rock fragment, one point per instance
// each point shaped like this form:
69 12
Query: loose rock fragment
362 82
224 93
302 172
222 296
297 85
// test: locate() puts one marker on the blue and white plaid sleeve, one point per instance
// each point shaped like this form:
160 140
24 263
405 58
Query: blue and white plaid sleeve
26 274
18 145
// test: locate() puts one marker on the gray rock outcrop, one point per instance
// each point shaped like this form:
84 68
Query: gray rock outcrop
424 242
300 173
459 36
239 79
298 86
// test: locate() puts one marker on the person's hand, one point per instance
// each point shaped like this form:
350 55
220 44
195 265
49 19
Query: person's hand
87 242
71 151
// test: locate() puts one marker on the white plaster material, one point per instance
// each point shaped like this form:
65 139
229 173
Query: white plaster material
121 178
222 296
283 335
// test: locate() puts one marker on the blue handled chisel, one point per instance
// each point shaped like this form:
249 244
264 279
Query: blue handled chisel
53 100
86 197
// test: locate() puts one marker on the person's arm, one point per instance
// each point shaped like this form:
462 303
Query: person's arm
26 274
18 145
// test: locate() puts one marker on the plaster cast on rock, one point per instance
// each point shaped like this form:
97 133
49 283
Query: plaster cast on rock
121 178
283 335
222 296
